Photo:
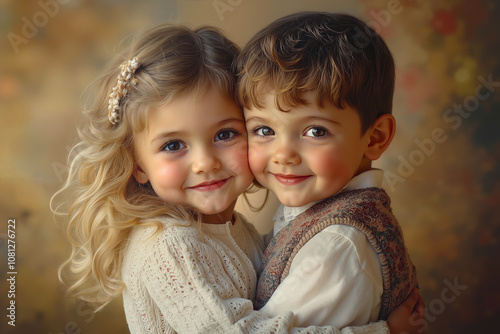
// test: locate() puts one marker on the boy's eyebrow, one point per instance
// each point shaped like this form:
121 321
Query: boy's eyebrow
309 118
325 119
254 118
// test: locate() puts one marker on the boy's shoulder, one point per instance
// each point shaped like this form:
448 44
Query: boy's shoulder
353 202
371 194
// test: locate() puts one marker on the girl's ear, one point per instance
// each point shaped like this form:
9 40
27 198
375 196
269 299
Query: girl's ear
381 134
139 175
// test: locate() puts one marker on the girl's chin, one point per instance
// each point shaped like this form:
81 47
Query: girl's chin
219 214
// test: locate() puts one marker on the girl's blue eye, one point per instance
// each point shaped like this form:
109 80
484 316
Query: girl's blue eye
316 131
173 145
225 134
264 131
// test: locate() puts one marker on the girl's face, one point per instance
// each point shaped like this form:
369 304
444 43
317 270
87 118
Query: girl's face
194 153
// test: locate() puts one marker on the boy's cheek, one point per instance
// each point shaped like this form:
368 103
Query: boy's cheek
332 170
322 164
256 160
323 160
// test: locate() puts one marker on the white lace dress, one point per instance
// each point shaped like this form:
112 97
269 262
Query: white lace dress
181 281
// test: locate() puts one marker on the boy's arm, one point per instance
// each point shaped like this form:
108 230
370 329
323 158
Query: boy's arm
334 279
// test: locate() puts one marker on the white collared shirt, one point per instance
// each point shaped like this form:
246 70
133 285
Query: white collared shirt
335 278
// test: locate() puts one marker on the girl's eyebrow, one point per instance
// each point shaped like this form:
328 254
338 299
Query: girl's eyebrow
230 120
170 134
166 134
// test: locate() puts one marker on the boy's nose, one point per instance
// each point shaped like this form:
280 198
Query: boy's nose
205 162
286 154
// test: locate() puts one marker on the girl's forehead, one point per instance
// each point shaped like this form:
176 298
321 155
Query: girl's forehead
203 109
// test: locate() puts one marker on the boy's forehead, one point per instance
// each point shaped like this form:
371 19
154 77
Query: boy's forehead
270 96
271 99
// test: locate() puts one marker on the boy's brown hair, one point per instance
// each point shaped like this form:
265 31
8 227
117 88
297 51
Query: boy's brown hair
336 55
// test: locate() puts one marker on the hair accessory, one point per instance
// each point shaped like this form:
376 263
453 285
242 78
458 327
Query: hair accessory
125 79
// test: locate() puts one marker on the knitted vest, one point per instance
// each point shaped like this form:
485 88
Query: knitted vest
369 211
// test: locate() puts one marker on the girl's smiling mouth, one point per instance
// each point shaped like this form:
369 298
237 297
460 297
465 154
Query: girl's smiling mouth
209 185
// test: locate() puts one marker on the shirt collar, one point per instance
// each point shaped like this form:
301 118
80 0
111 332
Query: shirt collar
368 179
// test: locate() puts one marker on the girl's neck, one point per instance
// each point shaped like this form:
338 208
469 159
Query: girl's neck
221 217
213 219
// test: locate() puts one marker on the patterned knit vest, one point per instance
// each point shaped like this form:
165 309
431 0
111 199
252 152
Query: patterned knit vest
369 211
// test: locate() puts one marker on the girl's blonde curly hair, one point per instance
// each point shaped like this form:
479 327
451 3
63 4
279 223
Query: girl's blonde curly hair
101 200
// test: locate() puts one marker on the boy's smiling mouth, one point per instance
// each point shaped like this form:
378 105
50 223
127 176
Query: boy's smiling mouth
289 179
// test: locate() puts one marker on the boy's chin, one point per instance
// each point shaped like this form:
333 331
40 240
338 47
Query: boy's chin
293 202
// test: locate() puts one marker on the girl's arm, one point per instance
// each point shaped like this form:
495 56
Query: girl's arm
197 290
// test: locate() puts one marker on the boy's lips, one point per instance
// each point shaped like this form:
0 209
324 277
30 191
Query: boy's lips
209 185
288 179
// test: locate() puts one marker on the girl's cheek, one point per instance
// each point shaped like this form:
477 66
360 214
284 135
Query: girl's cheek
238 159
170 174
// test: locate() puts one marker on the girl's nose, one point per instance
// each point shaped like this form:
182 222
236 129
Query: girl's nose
205 162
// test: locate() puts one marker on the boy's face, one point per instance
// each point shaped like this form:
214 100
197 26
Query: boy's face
194 153
305 154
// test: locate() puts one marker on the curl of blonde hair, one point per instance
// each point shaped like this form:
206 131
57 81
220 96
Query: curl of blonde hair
104 201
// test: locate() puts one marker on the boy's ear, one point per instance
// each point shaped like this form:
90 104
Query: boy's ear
139 175
381 134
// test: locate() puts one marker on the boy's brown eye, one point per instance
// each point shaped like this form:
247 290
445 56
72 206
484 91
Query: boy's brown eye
316 132
264 131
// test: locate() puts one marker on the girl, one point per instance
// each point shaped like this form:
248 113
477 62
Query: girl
161 161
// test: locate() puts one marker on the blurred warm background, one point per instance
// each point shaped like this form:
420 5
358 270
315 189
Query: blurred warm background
442 168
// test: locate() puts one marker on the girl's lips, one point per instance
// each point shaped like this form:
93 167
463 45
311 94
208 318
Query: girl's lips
290 179
209 186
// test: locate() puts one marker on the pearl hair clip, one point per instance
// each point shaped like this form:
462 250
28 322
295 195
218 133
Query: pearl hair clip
125 79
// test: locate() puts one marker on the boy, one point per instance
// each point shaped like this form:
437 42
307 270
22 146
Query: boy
317 92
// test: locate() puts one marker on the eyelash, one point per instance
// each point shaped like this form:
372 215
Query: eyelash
233 133
317 127
164 146
256 130
260 127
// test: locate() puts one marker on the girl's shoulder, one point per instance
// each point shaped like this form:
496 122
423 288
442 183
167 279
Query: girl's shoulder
153 244
161 230
158 237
